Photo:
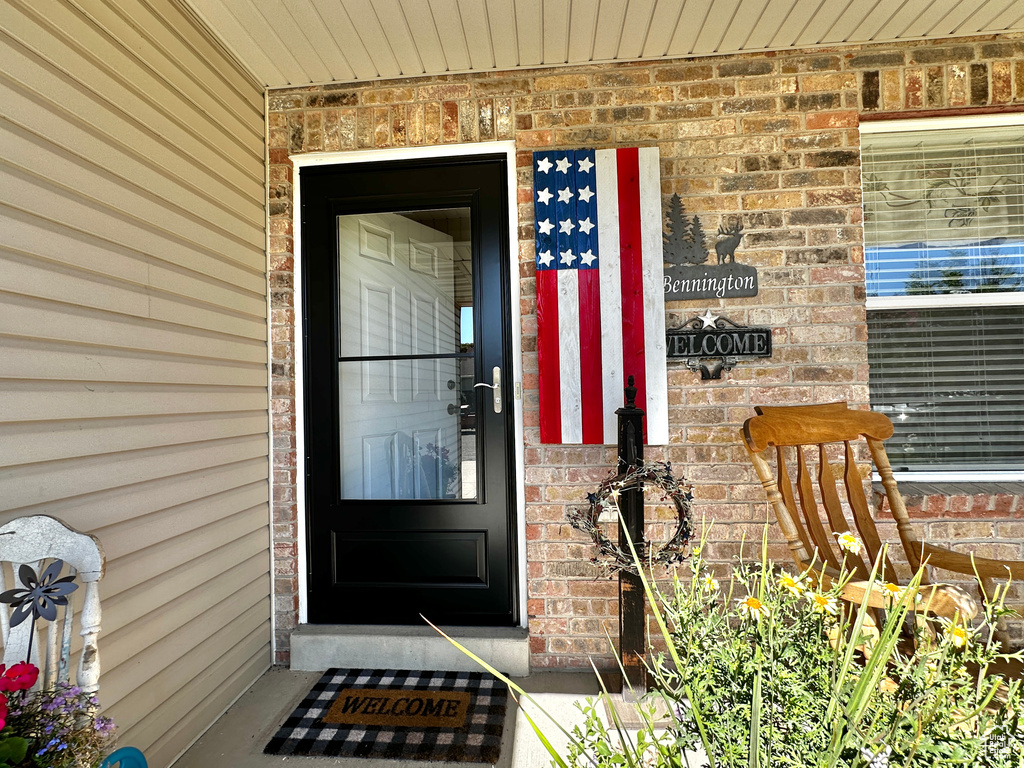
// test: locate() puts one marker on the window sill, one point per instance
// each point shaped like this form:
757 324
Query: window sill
909 488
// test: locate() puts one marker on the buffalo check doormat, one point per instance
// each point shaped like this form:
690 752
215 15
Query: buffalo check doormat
397 714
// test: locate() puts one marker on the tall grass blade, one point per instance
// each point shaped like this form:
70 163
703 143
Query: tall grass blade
518 689
754 747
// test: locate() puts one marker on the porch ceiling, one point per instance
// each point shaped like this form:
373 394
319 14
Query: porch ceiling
301 42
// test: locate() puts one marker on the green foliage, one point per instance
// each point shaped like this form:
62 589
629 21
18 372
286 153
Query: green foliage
12 749
764 669
55 728
990 274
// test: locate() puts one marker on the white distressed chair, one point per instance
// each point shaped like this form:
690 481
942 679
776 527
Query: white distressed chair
35 541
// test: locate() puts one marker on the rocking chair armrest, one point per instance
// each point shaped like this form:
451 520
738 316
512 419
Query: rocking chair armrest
944 600
985 567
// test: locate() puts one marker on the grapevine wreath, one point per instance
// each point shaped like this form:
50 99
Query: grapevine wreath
650 474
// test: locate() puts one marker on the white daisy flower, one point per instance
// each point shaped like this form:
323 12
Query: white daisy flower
753 608
823 603
959 636
791 584
892 591
849 543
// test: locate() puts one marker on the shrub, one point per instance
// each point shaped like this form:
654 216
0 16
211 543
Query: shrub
767 668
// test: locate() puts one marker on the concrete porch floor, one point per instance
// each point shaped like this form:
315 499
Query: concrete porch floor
237 739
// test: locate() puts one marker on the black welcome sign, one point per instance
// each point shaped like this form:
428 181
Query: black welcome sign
709 337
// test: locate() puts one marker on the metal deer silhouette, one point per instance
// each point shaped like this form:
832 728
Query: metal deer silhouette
726 249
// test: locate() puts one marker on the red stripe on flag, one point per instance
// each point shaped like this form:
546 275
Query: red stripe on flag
631 271
591 398
547 356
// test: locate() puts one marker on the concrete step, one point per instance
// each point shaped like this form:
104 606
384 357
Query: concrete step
318 647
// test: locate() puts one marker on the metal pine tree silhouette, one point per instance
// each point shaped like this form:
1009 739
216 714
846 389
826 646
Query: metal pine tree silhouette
684 242
699 249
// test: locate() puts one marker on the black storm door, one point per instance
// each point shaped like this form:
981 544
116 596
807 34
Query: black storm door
408 408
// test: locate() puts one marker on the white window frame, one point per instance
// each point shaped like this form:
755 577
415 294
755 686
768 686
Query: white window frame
946 300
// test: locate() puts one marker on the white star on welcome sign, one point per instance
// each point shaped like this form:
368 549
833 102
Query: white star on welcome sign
543 165
568 257
566 226
708 319
586 225
585 165
587 257
564 195
545 226
562 166
544 196
586 194
545 258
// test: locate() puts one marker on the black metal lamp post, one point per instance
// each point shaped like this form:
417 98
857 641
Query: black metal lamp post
631 590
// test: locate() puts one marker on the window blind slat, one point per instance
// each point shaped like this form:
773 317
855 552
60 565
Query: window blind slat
950 379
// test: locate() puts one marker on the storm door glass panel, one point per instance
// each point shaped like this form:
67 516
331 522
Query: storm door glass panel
407 427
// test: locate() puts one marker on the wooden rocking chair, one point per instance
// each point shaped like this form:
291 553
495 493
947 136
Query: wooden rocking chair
813 429
35 541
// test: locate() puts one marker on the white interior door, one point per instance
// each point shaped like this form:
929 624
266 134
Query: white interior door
400 403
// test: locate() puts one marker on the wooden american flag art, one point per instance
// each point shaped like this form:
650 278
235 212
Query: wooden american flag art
600 293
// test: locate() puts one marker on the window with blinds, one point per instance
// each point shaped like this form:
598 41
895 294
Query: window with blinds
944 258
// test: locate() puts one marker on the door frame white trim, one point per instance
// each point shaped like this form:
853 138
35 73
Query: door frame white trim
307 160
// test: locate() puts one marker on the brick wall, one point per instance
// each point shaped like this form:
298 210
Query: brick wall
769 140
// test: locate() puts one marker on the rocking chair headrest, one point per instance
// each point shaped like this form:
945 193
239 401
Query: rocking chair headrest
812 425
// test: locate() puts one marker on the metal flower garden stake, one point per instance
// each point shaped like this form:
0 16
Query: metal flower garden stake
39 598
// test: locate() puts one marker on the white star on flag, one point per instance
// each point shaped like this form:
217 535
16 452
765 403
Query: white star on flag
585 165
568 257
566 226
564 195
543 165
545 258
587 257
586 194
545 226
586 225
544 196
562 166
708 319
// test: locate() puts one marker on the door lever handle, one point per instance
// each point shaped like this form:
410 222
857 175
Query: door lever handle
496 387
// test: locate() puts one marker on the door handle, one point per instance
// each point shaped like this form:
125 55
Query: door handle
496 387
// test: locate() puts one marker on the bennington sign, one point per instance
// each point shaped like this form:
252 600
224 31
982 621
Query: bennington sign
709 337
710 286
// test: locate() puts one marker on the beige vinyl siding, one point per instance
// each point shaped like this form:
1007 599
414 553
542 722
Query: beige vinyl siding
133 341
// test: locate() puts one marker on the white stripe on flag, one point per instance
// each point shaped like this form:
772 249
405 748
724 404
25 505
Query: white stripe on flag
612 383
569 355
654 297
